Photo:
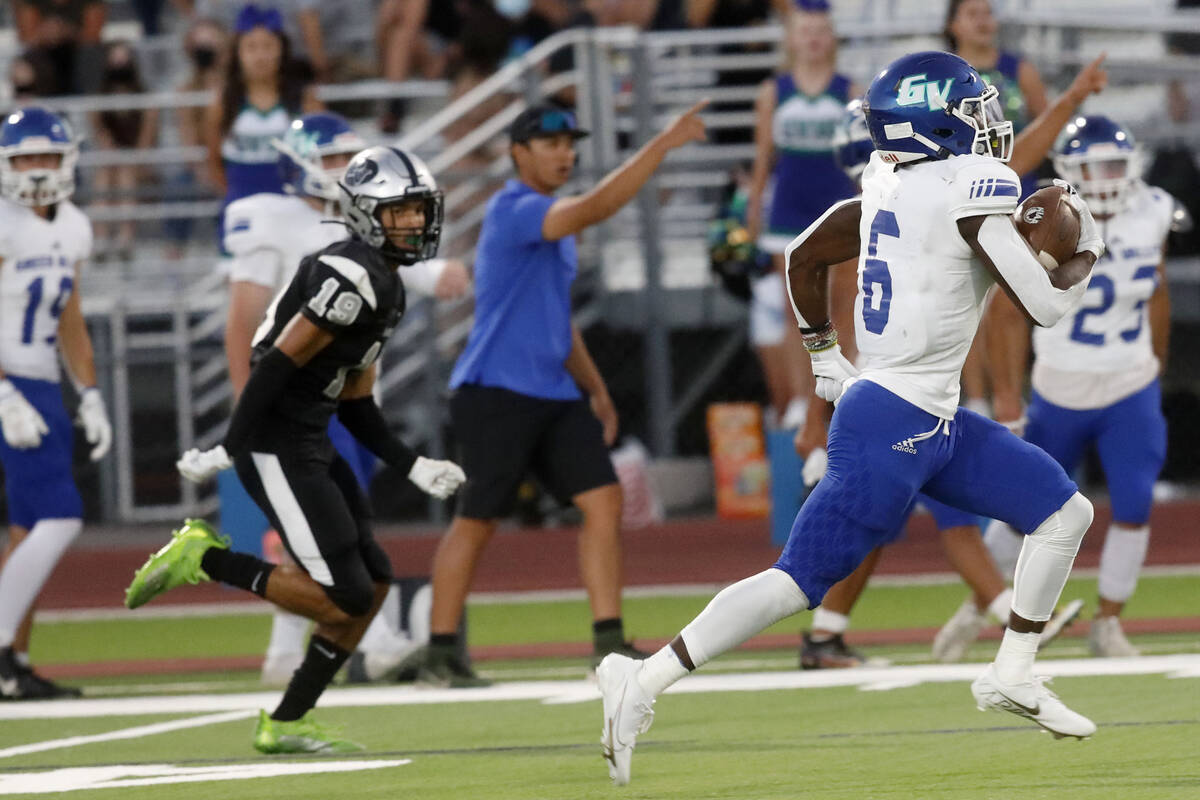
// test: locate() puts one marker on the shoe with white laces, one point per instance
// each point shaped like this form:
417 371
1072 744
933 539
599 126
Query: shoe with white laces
1031 700
951 642
1107 640
628 711
1059 622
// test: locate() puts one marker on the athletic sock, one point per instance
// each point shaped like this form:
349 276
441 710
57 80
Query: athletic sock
1001 606
27 568
1121 561
660 670
321 663
443 648
22 659
1014 660
608 634
829 623
740 611
237 569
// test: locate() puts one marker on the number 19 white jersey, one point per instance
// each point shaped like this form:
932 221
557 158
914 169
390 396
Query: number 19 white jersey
1103 352
921 289
37 275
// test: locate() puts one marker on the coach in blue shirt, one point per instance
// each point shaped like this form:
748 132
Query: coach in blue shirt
520 385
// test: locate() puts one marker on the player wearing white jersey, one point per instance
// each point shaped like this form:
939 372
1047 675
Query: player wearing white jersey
1095 373
44 240
268 235
932 233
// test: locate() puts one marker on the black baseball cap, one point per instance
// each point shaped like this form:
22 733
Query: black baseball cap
544 120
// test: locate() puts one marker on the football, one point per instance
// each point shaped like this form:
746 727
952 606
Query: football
1047 221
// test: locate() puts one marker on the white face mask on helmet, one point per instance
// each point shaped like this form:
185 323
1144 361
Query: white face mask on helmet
41 186
1105 175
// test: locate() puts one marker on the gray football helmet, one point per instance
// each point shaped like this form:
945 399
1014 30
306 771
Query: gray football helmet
380 176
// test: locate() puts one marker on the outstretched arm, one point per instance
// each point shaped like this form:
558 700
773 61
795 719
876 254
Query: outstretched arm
1035 141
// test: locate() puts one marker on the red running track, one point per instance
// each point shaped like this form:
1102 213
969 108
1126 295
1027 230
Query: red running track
699 550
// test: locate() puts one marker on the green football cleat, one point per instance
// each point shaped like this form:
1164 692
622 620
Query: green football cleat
301 736
177 563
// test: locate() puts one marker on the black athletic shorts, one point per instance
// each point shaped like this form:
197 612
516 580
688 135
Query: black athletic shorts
503 436
311 497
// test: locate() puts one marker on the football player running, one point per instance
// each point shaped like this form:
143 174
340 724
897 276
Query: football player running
315 355
933 232
267 235
1095 373
44 240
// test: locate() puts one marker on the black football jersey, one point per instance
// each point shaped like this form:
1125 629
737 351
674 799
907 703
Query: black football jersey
350 290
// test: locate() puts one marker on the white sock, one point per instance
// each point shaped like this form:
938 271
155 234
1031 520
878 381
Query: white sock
1046 559
740 611
660 670
1121 561
1000 606
1004 544
829 621
26 570
1014 661
289 634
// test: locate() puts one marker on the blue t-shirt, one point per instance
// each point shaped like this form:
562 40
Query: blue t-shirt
522 332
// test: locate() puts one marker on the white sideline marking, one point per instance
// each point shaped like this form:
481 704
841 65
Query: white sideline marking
556 692
77 778
242 608
125 733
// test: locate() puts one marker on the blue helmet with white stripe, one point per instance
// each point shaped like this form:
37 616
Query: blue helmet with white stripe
1100 158
309 139
30 131
934 105
852 145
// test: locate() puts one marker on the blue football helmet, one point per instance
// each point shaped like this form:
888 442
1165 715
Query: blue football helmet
1100 158
308 140
935 105
852 145
34 130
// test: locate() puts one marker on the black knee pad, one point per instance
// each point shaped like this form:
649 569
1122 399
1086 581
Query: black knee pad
355 599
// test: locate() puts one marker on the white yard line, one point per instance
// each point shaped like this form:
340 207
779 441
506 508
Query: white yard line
126 733
580 691
241 608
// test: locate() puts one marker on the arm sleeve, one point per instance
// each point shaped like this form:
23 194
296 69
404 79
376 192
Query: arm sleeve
986 186
1024 274
267 381
421 278
521 223
365 421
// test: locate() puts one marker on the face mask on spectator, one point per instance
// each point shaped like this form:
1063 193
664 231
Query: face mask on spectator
122 74
204 57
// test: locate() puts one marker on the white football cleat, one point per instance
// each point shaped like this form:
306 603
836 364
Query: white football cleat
628 711
1033 701
1107 640
1059 622
952 641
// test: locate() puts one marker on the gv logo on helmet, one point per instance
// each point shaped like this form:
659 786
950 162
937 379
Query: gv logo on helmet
915 90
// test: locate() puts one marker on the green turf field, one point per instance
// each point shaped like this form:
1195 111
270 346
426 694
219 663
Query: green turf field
907 732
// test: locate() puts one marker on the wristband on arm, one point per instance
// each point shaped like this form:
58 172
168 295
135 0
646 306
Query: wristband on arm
266 383
364 420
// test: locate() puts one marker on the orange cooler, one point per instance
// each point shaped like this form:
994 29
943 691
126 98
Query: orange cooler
735 440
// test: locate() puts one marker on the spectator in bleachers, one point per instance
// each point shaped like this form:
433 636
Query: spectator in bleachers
797 112
120 130
67 33
30 76
259 96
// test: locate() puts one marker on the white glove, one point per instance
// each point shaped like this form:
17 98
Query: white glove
200 465
438 478
94 419
23 426
1089 232
815 466
832 371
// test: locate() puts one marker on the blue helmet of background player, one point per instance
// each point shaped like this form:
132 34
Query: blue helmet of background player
1101 159
852 145
34 130
382 176
309 139
935 105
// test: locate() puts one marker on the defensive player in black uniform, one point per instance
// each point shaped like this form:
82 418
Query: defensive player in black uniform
314 355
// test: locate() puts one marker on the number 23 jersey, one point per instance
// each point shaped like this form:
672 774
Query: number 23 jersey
353 292
921 289
37 275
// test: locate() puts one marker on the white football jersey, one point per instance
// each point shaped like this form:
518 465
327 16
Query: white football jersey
1103 352
267 235
37 275
921 290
